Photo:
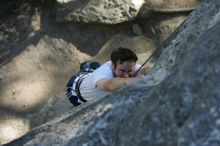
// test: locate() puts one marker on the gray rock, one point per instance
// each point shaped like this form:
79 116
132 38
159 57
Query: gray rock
96 11
197 23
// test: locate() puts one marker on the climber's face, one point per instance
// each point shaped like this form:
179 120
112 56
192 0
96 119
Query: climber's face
124 69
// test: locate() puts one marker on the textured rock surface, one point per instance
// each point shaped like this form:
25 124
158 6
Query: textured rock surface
96 11
179 108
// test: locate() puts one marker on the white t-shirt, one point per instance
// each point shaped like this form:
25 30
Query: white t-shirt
88 87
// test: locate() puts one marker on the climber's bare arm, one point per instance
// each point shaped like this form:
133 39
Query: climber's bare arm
115 83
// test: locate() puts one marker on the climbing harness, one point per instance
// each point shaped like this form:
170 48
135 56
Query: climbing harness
73 85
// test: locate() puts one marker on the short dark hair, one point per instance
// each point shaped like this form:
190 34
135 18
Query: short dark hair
122 54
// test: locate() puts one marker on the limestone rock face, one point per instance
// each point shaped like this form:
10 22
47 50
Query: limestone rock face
96 11
177 104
